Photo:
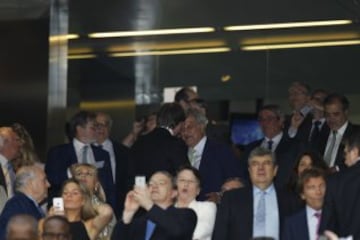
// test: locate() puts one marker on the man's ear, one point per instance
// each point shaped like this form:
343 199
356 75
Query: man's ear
174 194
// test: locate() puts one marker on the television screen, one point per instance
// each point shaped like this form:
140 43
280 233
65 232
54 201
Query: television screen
244 128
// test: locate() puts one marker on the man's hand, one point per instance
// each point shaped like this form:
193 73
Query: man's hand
130 207
296 120
142 196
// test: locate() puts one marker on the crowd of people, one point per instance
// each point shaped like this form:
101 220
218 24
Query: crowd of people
300 181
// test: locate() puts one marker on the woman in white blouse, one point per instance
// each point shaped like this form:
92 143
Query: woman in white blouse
188 186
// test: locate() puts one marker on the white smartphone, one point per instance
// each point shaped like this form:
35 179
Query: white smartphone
140 181
58 205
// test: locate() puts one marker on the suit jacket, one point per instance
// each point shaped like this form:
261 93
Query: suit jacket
171 224
303 131
18 204
341 209
121 177
296 227
61 157
339 160
217 164
234 220
155 151
286 154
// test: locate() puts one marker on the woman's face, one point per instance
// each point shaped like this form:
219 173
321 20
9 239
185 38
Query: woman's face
73 197
187 185
305 163
87 176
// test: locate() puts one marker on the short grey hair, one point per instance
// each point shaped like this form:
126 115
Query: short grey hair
199 117
260 152
24 175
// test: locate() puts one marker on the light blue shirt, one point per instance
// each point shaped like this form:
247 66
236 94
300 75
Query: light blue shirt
272 222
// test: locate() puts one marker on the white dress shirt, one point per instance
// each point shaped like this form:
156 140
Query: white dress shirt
272 224
275 140
312 222
79 152
199 149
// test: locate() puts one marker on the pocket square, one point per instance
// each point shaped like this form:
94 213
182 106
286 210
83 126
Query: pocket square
99 164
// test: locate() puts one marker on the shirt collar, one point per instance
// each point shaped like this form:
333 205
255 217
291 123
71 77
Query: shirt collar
342 129
199 147
275 139
310 211
268 190
3 161
78 144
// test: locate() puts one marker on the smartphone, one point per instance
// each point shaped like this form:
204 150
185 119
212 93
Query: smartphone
58 205
140 181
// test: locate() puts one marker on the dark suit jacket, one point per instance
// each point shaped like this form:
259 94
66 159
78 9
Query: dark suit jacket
121 177
171 224
286 154
61 157
296 227
217 164
234 219
341 209
156 151
303 132
339 160
18 204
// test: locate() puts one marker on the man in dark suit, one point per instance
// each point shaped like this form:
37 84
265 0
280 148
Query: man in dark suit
161 220
341 208
31 189
299 122
60 158
257 210
330 145
160 150
286 150
215 161
304 224
119 155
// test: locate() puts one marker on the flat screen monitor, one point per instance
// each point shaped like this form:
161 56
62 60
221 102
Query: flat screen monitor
244 128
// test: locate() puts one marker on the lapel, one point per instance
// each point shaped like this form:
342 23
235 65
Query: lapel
206 154
2 179
303 225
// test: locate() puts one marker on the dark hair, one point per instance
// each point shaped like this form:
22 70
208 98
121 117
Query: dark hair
274 109
337 98
353 139
167 174
303 85
316 162
61 219
306 175
79 119
260 152
194 171
183 94
170 115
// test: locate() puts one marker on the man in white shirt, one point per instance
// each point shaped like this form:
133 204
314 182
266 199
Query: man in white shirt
304 224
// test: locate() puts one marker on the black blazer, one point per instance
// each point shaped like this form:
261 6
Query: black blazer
341 209
171 224
234 219
296 227
155 151
303 132
217 164
18 204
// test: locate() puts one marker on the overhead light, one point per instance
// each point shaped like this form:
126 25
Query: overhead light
107 104
58 38
287 25
171 52
225 78
300 45
81 56
151 32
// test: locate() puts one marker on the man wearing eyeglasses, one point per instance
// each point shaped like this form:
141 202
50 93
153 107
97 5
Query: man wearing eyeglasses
161 220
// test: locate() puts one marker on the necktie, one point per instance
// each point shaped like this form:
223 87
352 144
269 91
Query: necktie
84 154
318 217
150 227
259 225
192 156
315 131
270 144
328 154
11 179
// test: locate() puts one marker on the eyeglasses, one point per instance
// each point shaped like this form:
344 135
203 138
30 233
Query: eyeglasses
84 174
61 236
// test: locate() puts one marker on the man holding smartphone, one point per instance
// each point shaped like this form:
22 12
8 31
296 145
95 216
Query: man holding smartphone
161 220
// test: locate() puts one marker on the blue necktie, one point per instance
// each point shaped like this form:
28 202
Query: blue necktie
259 227
150 227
